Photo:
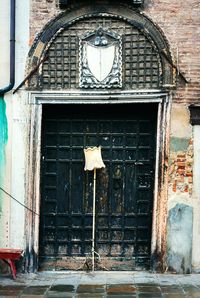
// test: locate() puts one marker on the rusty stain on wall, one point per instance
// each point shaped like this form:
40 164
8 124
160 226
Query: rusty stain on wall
180 172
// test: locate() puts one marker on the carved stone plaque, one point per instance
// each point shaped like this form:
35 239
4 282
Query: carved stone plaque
101 60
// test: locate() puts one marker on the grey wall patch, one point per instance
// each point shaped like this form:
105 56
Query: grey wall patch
179 238
178 144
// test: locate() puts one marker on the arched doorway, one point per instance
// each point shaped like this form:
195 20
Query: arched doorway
119 105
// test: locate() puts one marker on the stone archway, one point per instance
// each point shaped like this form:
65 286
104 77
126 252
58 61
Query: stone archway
143 80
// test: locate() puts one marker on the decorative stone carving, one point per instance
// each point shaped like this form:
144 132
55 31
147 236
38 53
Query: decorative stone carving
101 60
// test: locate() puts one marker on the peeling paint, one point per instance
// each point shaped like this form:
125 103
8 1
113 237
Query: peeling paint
180 122
181 172
178 144
3 142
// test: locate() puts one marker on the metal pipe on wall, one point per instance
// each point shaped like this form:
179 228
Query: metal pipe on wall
12 49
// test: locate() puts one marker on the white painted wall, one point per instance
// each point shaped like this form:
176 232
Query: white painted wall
22 40
196 201
4 42
180 121
17 117
4 81
19 127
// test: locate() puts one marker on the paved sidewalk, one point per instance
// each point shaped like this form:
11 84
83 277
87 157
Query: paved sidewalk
101 284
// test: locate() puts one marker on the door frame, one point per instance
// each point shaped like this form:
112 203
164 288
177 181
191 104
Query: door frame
159 220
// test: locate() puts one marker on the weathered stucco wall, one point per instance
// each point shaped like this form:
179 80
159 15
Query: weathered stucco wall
14 132
181 152
4 38
4 125
183 222
3 142
3 138
196 201
179 231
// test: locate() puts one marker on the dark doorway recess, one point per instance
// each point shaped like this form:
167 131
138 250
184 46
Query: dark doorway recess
124 198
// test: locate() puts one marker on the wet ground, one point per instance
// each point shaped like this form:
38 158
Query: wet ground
101 284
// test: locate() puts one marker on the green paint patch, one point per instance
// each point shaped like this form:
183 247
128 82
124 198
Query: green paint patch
179 144
3 141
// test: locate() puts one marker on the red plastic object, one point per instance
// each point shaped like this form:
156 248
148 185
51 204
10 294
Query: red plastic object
9 255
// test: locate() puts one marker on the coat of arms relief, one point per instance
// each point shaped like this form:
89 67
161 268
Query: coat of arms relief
101 60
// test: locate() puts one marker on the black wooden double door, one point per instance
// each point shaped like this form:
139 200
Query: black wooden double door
124 194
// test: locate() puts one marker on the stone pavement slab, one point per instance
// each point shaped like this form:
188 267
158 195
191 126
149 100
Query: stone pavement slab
100 285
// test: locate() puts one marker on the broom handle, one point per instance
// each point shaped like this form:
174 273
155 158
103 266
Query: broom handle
93 219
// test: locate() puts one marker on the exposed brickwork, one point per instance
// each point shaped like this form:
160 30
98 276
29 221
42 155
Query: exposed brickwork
180 174
42 11
180 22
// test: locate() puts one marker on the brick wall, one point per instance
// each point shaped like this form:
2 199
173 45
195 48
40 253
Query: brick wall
180 172
180 22
42 11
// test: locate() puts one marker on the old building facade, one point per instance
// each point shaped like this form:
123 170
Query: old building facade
123 76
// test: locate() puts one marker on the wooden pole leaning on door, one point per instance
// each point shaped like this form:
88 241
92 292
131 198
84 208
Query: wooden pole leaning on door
93 161
93 217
